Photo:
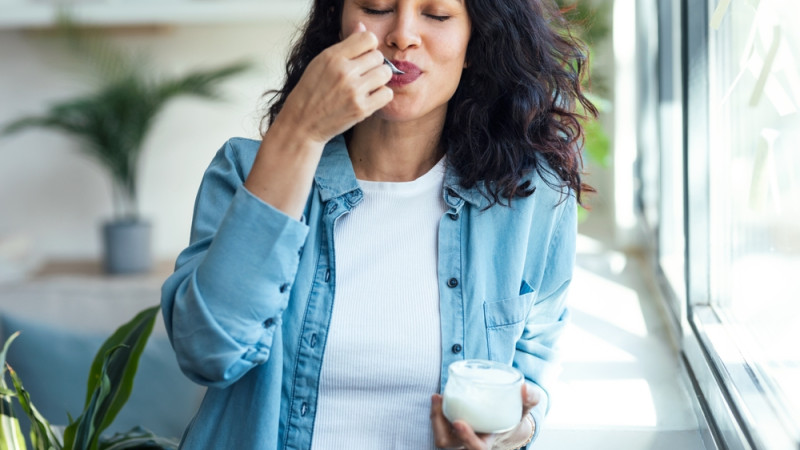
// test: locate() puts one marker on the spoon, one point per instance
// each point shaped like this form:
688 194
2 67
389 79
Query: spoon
395 70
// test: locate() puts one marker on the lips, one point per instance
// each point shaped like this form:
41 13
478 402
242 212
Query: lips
412 72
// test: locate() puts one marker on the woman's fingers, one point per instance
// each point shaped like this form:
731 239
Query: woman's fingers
376 78
368 62
531 396
342 86
456 435
356 44
460 435
443 433
471 440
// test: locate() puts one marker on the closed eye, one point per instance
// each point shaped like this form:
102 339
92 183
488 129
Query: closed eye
377 12
439 18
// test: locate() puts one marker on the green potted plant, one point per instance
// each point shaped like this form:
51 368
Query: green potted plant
111 122
108 388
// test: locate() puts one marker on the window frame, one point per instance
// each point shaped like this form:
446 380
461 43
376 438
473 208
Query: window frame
738 411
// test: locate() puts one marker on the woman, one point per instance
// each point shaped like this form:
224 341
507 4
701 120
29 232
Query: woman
437 207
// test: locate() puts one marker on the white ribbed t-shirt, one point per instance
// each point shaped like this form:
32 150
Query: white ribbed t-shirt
383 352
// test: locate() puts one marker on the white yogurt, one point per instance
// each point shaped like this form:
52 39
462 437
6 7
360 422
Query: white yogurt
485 394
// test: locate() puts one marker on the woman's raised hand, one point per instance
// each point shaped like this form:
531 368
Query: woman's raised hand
459 435
342 86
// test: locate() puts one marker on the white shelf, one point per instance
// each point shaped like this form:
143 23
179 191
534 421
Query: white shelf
22 14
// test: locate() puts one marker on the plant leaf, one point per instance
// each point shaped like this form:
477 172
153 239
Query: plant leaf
137 438
69 434
124 363
111 379
86 431
3 353
42 436
11 437
201 83
5 392
598 144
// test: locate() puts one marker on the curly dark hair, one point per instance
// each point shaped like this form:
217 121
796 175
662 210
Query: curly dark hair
520 96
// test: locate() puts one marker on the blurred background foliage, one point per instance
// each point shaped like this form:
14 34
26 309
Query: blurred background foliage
591 23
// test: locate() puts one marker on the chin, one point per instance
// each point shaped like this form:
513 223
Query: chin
393 114
399 112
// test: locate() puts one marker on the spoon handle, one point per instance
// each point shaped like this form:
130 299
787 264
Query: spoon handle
395 70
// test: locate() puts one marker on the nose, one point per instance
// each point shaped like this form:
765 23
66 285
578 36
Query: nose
404 32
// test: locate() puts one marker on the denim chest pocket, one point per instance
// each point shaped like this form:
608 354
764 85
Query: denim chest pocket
505 322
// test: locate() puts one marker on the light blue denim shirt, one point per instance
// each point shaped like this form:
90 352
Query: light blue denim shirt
248 306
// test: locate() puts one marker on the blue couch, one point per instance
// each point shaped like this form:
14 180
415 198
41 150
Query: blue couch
58 341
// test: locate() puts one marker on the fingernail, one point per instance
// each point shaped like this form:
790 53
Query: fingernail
361 27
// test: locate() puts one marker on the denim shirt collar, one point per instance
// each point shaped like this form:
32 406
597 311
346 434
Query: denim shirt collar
335 177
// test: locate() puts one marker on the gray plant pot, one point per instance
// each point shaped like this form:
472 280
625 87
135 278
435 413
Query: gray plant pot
127 247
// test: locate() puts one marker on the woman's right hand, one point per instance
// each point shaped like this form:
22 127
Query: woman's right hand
342 86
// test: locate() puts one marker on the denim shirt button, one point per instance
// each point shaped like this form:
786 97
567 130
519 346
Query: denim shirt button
452 282
327 275
284 287
304 409
456 348
453 216
313 342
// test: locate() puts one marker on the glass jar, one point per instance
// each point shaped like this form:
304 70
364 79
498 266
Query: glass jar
487 395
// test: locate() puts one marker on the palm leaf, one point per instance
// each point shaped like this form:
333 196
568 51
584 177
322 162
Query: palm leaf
201 83
99 57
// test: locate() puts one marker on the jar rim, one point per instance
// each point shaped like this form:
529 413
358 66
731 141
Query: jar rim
474 370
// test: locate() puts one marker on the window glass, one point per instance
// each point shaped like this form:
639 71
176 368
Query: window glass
754 175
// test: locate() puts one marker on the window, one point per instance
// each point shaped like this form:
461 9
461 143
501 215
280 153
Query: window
754 181
727 227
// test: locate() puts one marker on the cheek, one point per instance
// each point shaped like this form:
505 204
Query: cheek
453 50
348 23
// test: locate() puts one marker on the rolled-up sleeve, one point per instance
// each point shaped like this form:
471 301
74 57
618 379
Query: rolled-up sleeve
223 303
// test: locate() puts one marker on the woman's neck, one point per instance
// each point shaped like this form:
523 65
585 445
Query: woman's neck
391 151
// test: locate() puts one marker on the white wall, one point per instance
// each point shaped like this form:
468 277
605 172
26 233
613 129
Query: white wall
56 198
